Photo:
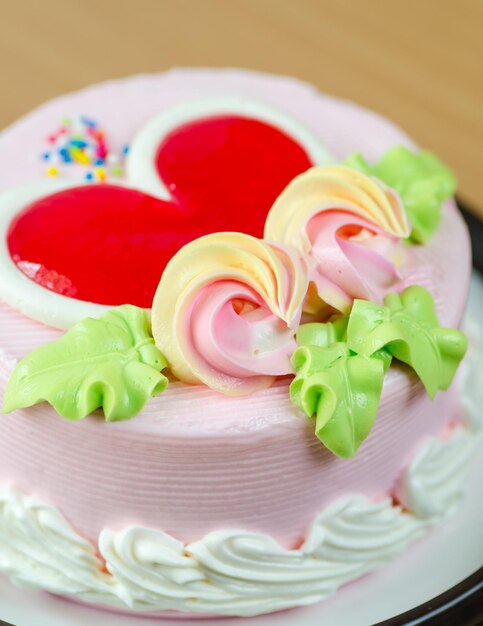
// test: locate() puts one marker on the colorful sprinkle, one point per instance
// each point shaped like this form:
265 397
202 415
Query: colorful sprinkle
80 156
65 155
82 142
87 121
78 143
101 151
101 174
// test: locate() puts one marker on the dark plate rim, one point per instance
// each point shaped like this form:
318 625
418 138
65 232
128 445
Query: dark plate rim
475 227
447 607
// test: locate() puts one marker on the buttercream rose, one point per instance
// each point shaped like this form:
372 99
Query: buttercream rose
348 225
226 311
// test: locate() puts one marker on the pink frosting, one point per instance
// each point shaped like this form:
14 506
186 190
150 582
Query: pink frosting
240 343
226 311
195 461
359 266
347 225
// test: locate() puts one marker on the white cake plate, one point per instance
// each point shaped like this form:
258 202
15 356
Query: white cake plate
443 558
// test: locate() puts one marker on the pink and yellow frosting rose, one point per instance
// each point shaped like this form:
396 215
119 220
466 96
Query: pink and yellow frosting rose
226 311
348 226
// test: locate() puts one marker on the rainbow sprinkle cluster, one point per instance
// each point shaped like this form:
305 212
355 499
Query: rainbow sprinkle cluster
81 141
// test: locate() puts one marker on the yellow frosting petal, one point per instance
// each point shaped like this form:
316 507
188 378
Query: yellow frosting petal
333 187
277 274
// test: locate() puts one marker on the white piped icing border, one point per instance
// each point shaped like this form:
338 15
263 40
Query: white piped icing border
231 572
227 572
21 292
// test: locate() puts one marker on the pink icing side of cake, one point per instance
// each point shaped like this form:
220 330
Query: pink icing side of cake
272 479
195 461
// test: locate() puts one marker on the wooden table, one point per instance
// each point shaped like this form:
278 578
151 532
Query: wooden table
419 62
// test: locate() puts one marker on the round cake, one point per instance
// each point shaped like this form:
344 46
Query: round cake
216 497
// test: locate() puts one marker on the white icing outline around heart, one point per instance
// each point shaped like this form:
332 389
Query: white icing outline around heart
140 164
21 292
39 303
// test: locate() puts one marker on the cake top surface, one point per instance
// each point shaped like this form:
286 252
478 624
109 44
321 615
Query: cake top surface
341 127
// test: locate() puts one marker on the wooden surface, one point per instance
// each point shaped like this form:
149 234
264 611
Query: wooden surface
419 62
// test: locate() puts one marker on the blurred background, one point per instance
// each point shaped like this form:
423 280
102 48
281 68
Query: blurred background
419 62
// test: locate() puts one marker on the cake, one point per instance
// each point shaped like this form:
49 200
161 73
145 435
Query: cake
216 497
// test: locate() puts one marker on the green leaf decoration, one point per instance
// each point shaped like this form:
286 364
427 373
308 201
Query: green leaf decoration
342 390
421 180
340 365
407 326
323 335
110 363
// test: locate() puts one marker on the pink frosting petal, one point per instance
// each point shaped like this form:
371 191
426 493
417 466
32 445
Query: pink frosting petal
240 344
226 311
353 258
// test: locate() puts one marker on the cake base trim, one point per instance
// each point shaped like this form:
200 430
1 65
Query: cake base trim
232 572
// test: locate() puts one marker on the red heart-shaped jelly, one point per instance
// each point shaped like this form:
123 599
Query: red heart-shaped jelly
109 244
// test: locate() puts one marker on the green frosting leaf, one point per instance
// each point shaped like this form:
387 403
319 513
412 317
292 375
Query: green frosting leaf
342 389
407 326
323 335
421 180
110 363
340 365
